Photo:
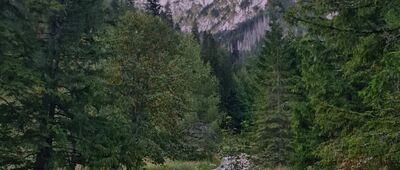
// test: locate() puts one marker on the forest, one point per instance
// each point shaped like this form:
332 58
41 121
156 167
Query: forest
102 84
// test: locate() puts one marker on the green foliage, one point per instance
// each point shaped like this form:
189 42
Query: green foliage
166 89
89 83
236 144
75 90
49 83
223 67
153 7
275 76
339 86
181 165
17 77
348 84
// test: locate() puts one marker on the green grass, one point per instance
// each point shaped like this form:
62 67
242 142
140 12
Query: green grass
183 165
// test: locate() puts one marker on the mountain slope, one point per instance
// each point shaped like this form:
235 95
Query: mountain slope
239 22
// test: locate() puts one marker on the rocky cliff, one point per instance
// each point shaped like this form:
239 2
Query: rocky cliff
240 22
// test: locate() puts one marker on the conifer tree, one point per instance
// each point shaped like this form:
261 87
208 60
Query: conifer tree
222 65
75 90
200 130
167 16
18 102
196 31
274 76
344 54
62 106
153 7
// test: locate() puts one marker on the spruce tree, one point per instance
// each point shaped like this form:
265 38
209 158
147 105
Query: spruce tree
222 64
200 127
167 16
18 102
153 7
77 91
63 88
196 31
344 55
274 75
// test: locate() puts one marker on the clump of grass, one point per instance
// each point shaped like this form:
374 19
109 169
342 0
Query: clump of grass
182 165
275 168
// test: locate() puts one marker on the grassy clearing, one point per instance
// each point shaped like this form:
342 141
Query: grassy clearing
183 165
276 168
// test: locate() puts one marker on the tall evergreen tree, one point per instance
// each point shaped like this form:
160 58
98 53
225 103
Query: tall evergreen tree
196 32
222 65
62 106
275 76
344 55
201 134
154 7
167 15
18 102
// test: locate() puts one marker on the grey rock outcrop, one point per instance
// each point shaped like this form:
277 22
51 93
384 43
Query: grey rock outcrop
240 162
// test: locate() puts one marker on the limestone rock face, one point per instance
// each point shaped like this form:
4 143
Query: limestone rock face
240 162
239 22
212 15
221 16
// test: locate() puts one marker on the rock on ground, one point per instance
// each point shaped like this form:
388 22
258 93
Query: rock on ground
240 162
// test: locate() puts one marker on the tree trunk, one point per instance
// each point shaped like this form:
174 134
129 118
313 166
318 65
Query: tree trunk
44 154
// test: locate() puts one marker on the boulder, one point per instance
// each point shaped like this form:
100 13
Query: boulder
239 162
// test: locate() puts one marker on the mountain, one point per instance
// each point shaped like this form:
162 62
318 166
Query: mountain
234 22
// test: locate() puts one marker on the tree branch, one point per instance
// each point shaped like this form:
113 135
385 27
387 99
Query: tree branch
8 103
350 30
